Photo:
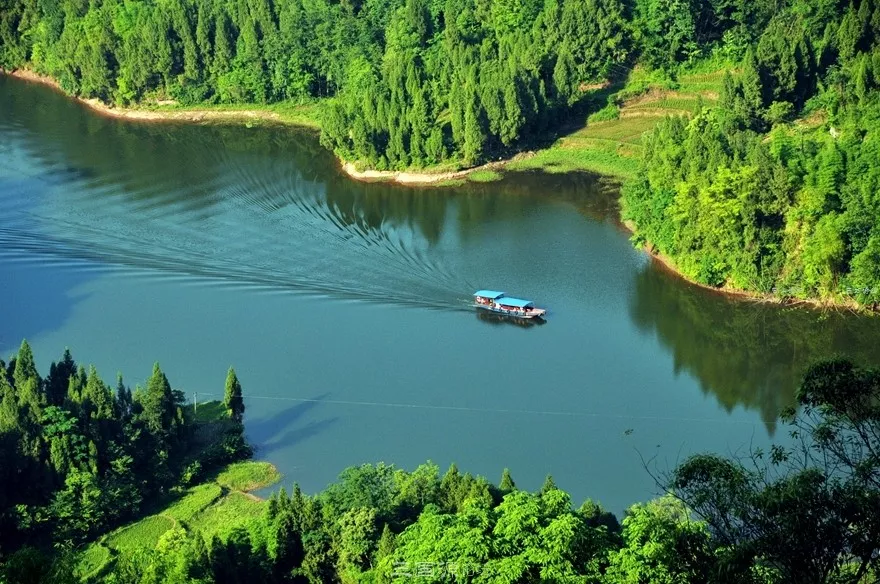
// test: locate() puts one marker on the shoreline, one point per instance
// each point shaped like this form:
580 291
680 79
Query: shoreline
147 115
403 177
668 264
412 178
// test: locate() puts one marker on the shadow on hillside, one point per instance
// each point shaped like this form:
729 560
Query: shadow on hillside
574 118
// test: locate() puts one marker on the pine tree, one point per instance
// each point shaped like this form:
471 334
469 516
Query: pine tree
27 380
123 399
387 543
8 407
474 137
75 387
232 400
285 545
222 46
451 488
98 396
158 405
59 378
549 485
506 485
203 36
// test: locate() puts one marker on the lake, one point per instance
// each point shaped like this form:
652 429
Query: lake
345 307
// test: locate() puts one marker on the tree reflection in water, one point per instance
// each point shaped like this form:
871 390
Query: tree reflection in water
746 353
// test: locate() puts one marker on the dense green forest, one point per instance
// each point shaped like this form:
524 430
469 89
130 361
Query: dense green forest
805 513
743 196
412 82
78 457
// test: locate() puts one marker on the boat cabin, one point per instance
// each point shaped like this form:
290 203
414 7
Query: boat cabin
487 297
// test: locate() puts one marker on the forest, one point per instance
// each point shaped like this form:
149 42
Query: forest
79 460
769 187
78 457
776 190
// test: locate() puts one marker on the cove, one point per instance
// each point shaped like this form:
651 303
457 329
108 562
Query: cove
344 306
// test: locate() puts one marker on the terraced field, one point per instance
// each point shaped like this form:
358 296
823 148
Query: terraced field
613 146
214 508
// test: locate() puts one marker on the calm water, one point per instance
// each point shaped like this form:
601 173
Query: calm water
345 307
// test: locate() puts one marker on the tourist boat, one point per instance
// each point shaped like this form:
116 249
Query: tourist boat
498 302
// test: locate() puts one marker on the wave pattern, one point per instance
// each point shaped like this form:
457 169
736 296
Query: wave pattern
236 219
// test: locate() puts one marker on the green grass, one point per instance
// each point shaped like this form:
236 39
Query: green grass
306 115
484 176
629 130
93 560
233 510
141 535
563 159
196 500
613 146
451 182
212 411
247 476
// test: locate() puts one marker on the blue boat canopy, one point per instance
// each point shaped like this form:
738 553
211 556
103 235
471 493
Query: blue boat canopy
493 294
515 302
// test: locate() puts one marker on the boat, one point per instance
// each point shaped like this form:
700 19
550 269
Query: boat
500 303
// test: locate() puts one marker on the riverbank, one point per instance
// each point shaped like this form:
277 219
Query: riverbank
668 264
568 154
611 144
300 116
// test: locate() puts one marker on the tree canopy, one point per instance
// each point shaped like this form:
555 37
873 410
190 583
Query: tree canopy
76 462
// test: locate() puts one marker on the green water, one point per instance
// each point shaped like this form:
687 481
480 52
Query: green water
345 306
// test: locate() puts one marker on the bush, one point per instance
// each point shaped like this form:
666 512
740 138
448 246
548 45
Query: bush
607 113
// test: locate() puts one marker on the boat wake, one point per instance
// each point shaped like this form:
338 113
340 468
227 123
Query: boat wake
252 224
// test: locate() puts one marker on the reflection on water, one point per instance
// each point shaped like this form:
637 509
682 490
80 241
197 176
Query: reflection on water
265 211
264 207
746 353
500 319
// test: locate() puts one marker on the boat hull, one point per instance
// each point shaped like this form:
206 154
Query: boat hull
534 313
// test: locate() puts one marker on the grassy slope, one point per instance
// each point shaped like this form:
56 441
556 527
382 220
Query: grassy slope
209 508
613 147
213 508
247 476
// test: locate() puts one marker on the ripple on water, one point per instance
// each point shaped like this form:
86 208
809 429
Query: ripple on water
243 222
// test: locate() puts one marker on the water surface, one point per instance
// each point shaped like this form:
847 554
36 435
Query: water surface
345 306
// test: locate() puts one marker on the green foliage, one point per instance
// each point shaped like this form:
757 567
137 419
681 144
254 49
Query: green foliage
806 512
791 515
30 565
248 476
232 398
607 113
142 535
408 84
77 459
662 544
697 199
